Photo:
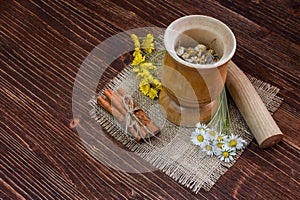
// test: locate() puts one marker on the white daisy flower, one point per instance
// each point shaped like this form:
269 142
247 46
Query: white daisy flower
219 142
235 142
198 138
212 134
226 154
201 127
208 148
199 131
221 137
218 145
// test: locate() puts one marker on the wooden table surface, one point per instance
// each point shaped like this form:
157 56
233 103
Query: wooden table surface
42 46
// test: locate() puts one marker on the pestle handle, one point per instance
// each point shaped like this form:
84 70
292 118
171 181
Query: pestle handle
252 108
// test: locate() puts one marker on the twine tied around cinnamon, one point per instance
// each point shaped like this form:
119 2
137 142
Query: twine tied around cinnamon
128 113
131 120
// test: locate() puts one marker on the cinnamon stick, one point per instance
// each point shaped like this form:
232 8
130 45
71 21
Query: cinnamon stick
120 117
153 128
113 103
108 107
115 100
141 115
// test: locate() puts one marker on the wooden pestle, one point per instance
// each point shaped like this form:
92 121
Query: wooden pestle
252 108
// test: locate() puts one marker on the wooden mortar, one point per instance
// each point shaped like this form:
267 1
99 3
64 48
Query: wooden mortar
190 91
252 108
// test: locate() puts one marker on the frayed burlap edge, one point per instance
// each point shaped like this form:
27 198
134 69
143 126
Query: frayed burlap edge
172 152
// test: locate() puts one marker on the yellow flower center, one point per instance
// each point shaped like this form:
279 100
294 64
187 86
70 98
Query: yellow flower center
232 143
225 154
212 133
201 129
200 138
220 145
219 138
208 148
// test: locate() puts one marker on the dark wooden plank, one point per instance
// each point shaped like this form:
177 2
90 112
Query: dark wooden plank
43 44
278 16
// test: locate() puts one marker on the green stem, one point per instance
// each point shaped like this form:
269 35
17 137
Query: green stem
228 115
217 119
224 111
157 54
212 121
157 64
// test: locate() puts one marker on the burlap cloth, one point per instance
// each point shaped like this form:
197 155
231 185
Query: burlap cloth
172 151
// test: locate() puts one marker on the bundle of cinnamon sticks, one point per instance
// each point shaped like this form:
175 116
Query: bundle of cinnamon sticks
128 114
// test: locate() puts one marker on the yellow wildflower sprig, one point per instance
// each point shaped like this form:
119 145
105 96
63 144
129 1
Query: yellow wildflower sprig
148 43
145 70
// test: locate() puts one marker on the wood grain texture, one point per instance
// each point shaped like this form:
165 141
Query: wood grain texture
252 108
42 45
